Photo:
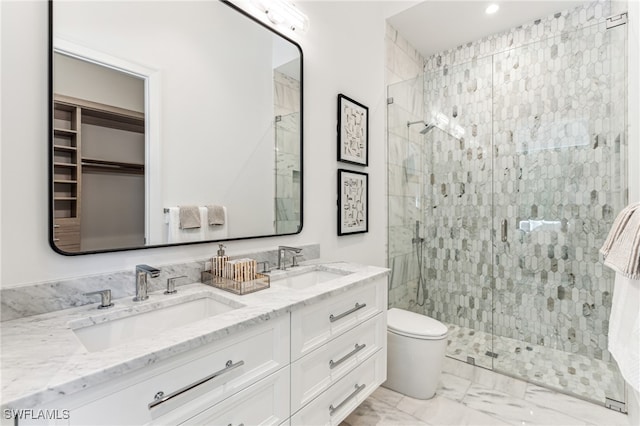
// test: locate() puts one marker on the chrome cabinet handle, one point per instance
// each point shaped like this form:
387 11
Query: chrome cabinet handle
333 409
334 318
160 398
358 348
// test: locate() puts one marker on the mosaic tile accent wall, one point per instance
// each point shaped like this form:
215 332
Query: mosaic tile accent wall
529 128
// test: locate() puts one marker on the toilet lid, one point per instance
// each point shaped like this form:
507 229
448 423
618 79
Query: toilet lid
414 325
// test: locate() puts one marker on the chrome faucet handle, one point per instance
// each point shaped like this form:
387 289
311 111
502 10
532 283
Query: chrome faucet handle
105 298
265 267
171 284
294 260
281 251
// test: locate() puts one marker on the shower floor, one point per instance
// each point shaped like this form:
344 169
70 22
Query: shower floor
575 374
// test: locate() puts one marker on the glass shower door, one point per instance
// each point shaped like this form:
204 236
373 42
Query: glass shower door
458 207
559 179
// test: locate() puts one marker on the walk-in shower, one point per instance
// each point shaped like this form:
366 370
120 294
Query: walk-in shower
514 188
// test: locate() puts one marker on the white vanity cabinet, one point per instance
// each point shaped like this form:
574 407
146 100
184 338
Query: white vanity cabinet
311 366
338 353
188 384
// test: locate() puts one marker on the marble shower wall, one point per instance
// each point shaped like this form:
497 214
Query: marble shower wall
404 72
530 128
287 135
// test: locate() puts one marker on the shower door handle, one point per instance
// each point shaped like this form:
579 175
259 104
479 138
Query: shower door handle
503 228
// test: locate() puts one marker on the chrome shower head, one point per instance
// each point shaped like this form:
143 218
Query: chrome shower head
427 126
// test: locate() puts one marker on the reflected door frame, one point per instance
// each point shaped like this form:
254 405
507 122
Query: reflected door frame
153 223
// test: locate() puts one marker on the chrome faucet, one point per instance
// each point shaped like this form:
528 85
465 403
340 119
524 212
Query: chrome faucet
105 298
281 252
141 281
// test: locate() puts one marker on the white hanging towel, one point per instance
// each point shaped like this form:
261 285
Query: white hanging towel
175 234
215 232
624 328
621 251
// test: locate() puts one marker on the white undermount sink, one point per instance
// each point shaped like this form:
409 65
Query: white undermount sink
138 325
306 279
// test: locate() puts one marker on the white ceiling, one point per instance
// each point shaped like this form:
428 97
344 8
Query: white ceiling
436 25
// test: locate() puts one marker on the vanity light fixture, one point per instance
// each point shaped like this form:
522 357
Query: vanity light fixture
491 9
284 13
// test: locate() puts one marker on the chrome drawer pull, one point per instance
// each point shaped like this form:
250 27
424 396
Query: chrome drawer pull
334 318
358 348
160 398
333 409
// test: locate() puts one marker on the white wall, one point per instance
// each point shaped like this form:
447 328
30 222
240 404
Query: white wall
343 53
634 100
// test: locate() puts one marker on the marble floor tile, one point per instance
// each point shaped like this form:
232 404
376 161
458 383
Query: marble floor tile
442 411
458 368
377 413
584 376
574 407
452 387
515 411
459 401
387 396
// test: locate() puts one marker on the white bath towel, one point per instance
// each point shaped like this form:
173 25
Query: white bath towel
624 328
618 226
175 234
622 246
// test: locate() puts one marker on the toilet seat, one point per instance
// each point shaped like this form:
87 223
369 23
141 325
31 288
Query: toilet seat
411 324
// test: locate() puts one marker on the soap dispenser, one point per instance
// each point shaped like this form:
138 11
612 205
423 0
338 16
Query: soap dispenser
218 262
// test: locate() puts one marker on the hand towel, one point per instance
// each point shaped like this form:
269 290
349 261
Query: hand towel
624 328
189 217
177 235
623 243
215 215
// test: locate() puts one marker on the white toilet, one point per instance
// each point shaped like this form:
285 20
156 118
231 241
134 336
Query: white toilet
416 347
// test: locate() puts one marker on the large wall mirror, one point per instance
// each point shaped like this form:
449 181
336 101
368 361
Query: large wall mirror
173 122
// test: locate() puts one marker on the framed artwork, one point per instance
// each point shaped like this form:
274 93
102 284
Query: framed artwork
353 131
353 202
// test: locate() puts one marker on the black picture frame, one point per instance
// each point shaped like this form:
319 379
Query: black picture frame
353 131
353 202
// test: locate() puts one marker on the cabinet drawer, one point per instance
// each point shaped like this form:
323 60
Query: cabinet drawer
316 371
334 405
67 235
229 365
262 403
315 325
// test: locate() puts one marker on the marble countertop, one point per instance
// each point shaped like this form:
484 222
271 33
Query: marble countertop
43 360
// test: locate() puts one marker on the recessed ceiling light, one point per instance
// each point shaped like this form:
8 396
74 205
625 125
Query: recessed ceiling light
491 9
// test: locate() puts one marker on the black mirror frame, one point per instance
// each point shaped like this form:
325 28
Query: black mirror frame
50 150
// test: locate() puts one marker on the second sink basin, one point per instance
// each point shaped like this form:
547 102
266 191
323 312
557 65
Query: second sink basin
306 279
110 333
